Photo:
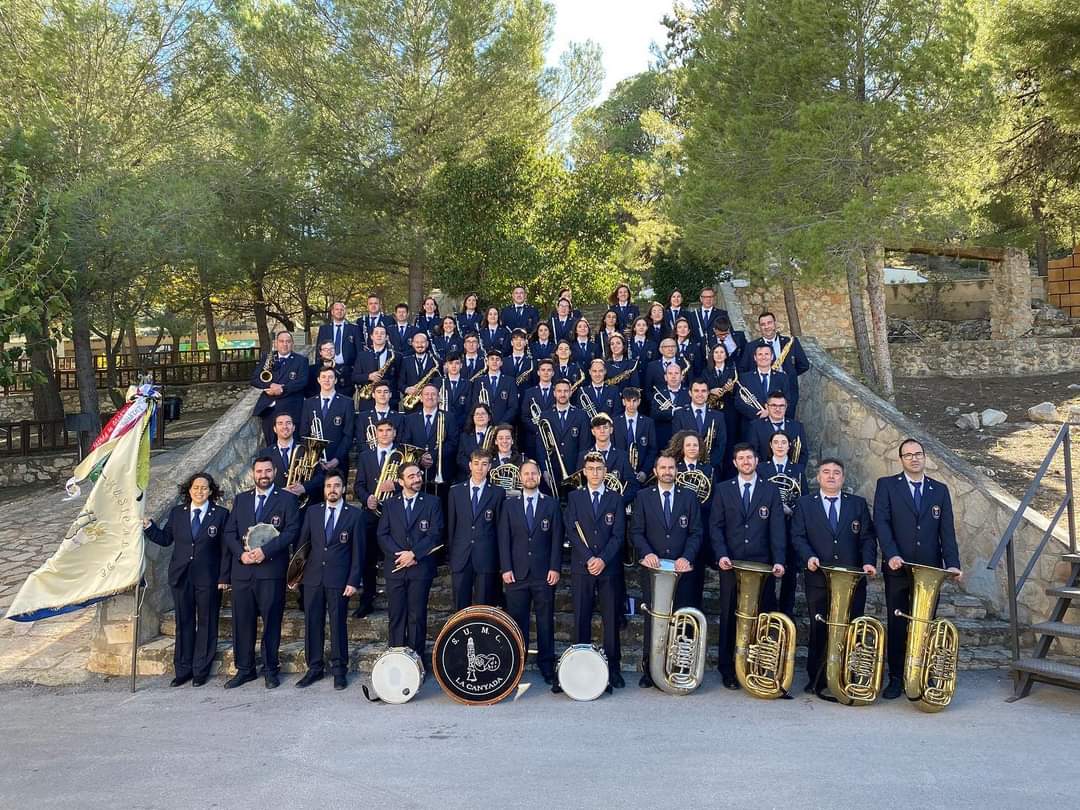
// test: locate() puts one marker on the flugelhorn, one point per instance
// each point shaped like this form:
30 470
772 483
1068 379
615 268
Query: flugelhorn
933 645
855 649
306 458
663 402
678 639
765 642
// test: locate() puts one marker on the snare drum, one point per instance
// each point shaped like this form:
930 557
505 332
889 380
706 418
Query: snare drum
479 656
583 672
397 675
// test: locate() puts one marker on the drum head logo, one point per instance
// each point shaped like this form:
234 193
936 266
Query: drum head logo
763 512
545 525
477 660
855 525
609 518
683 522
212 531
935 511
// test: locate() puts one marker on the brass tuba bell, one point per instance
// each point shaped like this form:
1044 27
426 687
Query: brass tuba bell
933 645
764 643
855 648
679 638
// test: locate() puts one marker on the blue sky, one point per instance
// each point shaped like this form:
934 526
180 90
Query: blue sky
624 29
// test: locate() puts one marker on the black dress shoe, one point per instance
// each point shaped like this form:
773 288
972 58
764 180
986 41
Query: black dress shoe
616 680
180 680
730 682
198 681
239 680
894 689
646 681
556 689
271 680
310 677
363 609
340 682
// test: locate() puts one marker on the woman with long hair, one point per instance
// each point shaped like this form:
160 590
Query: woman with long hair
625 309
470 317
687 347
686 446
657 325
474 434
493 335
447 339
581 343
719 374
619 363
639 343
565 367
609 325
428 318
543 342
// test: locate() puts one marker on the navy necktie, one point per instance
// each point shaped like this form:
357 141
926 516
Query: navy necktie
834 517
408 510
562 419
382 458
325 409
918 495
428 417
596 504
337 338
746 499
196 523
630 433
701 421
475 501
329 525
667 509
765 382
259 507
779 469
530 514
479 439
285 457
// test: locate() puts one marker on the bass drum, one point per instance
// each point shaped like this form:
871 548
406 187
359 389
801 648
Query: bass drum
583 672
397 675
479 656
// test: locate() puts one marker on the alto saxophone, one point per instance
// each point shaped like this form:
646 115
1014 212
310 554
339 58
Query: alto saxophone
778 364
267 373
679 638
622 376
933 645
410 401
856 648
716 400
764 643
368 389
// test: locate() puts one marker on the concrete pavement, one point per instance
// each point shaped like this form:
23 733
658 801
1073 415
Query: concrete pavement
95 745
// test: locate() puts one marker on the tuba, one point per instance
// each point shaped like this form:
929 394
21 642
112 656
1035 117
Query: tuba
764 643
933 645
856 648
679 638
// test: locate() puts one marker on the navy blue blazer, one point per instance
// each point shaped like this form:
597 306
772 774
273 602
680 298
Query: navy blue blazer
413 368
927 537
671 317
702 322
766 469
527 320
570 437
457 398
761 430
442 346
400 337
497 338
607 400
351 340
644 438
469 366
686 419
343 386
202 558
544 401
646 353
758 536
368 361
564 330
617 367
466 444
367 474
654 376
571 372
337 428
604 536
530 554
795 363
427 323
504 398
373 417
419 535
853 545
718 379
777 381
664 418
516 366
650 534
692 354
736 355
583 355
542 351
281 511
367 323
618 462
292 374
469 321
336 561
313 487
626 313
415 432
473 538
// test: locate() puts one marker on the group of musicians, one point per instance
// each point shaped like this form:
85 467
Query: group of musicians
669 436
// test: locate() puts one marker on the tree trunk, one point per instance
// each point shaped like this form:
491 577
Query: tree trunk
875 290
858 315
258 297
416 277
1042 241
111 351
85 374
45 390
133 345
211 331
791 305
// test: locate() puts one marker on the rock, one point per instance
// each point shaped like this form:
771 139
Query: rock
1043 412
1074 414
1048 314
952 410
991 417
1073 387
968 421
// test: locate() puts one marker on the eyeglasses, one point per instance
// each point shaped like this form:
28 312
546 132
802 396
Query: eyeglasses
912 456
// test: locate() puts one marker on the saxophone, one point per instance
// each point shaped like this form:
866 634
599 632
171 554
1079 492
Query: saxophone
856 648
622 376
267 373
410 401
933 645
716 401
368 389
679 638
778 364
764 643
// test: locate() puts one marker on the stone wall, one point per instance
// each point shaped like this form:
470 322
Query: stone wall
17 471
846 419
1010 305
978 358
199 397
225 451
824 310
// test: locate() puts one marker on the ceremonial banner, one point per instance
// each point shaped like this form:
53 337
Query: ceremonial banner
102 554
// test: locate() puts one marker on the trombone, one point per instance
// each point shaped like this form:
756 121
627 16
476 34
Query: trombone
440 437
548 442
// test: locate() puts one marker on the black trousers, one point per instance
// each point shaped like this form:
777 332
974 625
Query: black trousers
372 558
610 590
685 595
472 588
320 602
252 599
817 602
789 583
897 597
197 609
727 619
408 606
536 594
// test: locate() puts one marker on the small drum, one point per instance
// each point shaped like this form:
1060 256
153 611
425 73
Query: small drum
479 656
583 672
397 675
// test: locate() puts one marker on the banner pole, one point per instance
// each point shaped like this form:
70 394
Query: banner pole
135 633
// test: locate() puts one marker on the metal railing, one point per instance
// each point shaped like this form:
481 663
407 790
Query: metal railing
236 365
1005 546
31 437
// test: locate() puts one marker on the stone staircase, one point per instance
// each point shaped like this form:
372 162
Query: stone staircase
984 638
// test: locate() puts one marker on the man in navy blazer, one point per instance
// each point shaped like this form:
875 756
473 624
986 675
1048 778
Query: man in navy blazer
422 430
372 318
667 401
369 491
285 391
701 419
615 460
603 397
336 415
501 391
282 449
830 528
258 575
472 519
746 524
762 430
542 395
595 528
570 426
520 314
760 381
410 529
377 363
634 428
530 556
734 340
913 517
794 362
400 332
346 337
335 532
665 524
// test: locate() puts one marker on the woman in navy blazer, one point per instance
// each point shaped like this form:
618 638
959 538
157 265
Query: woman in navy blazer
543 344
198 566
623 307
428 319
470 317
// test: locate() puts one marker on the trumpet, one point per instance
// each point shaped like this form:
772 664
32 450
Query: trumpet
764 643
748 398
410 401
710 436
267 373
369 434
856 648
367 390
663 402
587 404
716 400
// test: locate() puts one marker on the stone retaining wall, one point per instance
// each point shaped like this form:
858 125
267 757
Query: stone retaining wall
34 469
981 358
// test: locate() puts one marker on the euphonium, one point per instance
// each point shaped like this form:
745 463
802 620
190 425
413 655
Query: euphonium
410 401
764 643
679 638
933 645
856 648
306 458
267 373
